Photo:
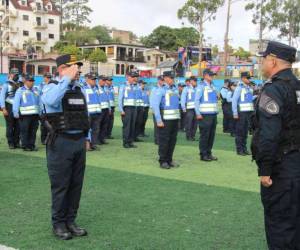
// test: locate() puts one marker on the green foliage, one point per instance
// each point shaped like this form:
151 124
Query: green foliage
76 11
101 34
71 49
97 55
242 53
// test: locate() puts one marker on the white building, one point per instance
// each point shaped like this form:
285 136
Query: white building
24 22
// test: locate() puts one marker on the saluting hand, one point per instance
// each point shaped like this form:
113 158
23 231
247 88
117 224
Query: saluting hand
266 181
71 72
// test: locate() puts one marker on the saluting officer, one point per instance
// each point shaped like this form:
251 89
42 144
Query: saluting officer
111 90
67 120
276 147
166 110
242 108
26 108
206 108
90 90
7 97
188 107
127 107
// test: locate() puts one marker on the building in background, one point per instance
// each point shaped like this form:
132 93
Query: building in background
254 46
123 36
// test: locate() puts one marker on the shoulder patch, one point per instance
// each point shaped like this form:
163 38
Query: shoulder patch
269 105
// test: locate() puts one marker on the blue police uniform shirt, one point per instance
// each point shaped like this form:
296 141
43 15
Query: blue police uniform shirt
111 96
206 99
26 102
92 99
7 94
229 96
242 100
224 92
145 96
188 98
166 99
127 96
104 97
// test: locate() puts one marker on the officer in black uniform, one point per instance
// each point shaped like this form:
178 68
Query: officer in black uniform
276 147
68 125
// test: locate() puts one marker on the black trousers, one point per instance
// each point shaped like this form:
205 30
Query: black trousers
104 120
29 125
129 121
139 121
242 129
155 130
207 128
145 118
94 120
43 130
111 121
227 117
190 124
281 204
181 122
12 127
66 165
167 140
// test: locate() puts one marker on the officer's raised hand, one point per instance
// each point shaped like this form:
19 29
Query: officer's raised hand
71 72
160 125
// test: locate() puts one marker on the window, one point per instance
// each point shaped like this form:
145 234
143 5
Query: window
51 21
42 69
39 36
149 58
39 21
49 7
38 6
25 33
161 58
38 48
51 36
23 3
25 18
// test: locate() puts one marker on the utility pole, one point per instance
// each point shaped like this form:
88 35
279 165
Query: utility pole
226 39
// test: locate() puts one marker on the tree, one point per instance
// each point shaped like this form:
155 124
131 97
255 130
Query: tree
286 18
76 11
80 37
71 49
186 37
101 34
198 12
242 53
215 50
97 55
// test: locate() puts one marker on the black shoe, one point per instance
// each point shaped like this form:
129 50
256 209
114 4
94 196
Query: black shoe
61 232
34 149
76 231
213 158
132 145
126 145
206 158
138 140
164 165
246 152
27 149
110 137
241 153
11 146
94 148
232 135
103 143
173 164
17 146
144 135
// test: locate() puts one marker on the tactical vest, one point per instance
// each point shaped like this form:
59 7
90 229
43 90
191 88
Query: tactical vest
12 88
92 99
190 104
246 100
209 101
74 115
170 105
29 104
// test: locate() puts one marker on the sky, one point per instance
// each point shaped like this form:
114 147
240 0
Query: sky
142 16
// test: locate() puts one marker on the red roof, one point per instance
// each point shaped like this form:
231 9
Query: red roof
28 7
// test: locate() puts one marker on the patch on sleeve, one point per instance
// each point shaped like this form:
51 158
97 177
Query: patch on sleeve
298 96
269 105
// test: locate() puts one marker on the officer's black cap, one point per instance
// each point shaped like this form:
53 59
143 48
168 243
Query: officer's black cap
14 71
188 79
194 78
160 78
29 77
281 51
109 78
209 72
133 74
246 74
228 81
48 75
169 74
91 76
68 60
103 77
142 82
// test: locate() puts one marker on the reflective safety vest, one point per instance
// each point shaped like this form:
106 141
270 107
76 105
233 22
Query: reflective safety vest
139 102
29 104
246 100
104 98
170 105
92 99
209 100
11 91
112 96
146 100
129 96
190 104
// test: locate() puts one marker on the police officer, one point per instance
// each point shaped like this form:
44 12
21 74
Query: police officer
242 108
232 121
105 108
90 90
47 78
182 114
226 106
139 110
67 119
127 107
166 110
276 147
160 84
146 105
111 90
26 108
188 107
7 96
206 108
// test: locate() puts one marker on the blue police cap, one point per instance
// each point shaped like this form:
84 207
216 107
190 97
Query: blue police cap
209 72
29 77
246 74
169 74
133 74
281 51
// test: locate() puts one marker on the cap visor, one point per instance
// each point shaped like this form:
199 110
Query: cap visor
80 64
